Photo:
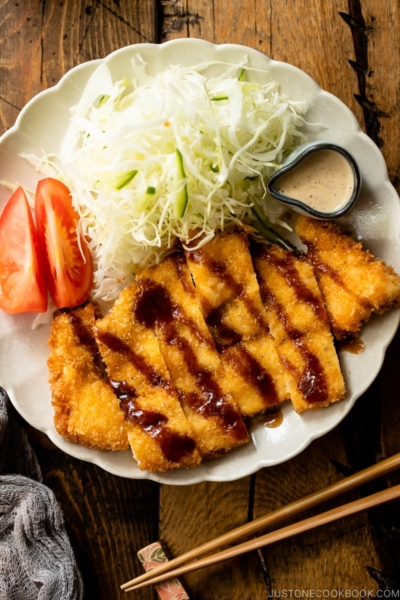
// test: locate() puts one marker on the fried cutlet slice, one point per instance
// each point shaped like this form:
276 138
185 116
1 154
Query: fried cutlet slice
230 301
167 302
86 410
158 431
353 282
257 379
300 326
227 288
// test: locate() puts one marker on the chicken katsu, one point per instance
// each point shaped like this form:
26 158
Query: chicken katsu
229 296
299 324
227 288
354 283
158 432
168 303
86 410
209 337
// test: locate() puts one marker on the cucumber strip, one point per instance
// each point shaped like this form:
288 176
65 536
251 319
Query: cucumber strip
125 179
219 98
181 194
151 190
270 234
103 100
242 75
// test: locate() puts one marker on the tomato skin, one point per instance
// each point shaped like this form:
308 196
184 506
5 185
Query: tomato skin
69 275
22 279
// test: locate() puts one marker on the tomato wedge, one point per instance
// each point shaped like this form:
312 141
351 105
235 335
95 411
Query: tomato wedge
22 280
67 259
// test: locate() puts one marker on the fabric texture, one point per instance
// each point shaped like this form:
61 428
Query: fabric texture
36 558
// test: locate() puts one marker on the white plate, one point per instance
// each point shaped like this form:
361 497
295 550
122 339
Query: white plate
375 220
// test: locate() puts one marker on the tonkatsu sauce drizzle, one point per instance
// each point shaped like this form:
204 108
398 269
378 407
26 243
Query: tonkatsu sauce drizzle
272 419
354 346
184 273
174 446
237 290
286 267
312 382
154 308
86 338
223 335
254 374
323 268
117 345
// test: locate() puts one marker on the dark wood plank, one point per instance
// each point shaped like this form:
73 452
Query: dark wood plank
327 558
314 37
40 42
75 32
377 48
20 70
192 515
386 520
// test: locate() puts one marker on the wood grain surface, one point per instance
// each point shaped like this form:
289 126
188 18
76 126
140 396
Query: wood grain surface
352 50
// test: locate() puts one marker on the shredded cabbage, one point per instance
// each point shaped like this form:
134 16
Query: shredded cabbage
120 159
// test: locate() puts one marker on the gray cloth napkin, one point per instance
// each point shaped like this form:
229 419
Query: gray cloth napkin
36 558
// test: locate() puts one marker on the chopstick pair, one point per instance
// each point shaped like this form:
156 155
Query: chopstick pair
174 568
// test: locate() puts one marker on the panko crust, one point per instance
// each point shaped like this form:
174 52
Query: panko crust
230 301
300 327
86 410
354 283
135 359
193 361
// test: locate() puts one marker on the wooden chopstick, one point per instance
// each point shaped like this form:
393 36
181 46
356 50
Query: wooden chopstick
349 483
294 529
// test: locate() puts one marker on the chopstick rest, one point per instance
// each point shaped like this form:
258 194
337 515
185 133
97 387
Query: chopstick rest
151 557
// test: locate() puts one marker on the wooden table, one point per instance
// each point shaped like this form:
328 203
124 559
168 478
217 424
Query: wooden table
352 50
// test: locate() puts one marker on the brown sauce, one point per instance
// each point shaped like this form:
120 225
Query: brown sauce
326 269
183 273
154 308
117 345
254 374
174 446
273 419
286 267
237 289
312 382
354 346
86 337
153 305
223 335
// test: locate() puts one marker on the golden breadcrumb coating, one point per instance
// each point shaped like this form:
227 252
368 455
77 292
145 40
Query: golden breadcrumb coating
227 288
170 306
257 379
229 296
86 410
158 431
299 324
353 282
